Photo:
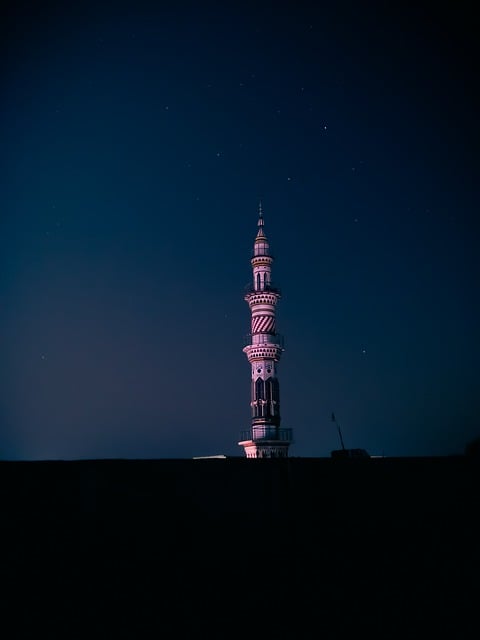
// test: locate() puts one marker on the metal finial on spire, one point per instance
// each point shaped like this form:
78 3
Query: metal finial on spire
260 214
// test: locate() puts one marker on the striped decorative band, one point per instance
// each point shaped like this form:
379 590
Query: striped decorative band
265 324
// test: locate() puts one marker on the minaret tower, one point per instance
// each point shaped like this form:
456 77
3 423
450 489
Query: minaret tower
264 347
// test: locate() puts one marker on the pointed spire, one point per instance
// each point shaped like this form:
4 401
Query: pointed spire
261 242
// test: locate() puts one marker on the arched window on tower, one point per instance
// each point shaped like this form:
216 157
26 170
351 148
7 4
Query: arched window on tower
275 389
258 282
259 389
268 389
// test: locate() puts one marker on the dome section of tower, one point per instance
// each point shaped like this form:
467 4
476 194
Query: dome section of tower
261 246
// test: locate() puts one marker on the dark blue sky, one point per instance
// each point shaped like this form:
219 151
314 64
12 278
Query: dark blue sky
137 140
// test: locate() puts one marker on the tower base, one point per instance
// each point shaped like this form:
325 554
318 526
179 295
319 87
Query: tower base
265 448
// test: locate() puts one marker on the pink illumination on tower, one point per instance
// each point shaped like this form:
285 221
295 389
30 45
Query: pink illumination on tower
265 438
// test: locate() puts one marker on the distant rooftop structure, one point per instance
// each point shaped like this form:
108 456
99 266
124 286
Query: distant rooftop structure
350 453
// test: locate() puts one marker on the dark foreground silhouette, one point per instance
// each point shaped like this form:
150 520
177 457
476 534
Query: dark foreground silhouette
295 547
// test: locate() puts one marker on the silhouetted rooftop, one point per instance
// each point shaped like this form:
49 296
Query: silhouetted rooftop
350 544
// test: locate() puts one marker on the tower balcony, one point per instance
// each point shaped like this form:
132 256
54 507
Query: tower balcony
264 432
258 339
261 252
268 287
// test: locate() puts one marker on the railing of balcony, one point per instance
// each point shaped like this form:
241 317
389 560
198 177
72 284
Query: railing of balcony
264 251
266 432
268 287
263 339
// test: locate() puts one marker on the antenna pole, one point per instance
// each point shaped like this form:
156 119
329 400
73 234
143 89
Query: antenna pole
339 431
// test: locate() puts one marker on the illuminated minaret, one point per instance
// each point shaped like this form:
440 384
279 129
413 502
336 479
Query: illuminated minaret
265 438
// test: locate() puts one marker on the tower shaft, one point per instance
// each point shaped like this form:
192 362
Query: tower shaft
265 438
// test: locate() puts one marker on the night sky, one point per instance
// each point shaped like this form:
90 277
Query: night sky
137 140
